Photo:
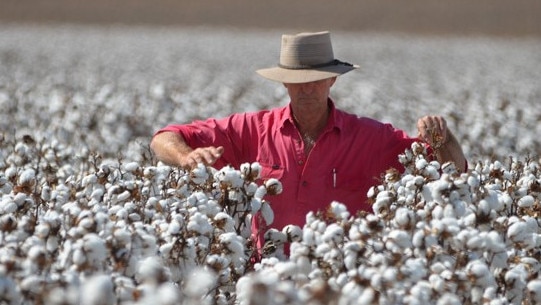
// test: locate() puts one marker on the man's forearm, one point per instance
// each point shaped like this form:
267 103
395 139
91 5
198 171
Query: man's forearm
451 151
170 147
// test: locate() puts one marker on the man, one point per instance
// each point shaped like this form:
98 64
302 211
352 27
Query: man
318 152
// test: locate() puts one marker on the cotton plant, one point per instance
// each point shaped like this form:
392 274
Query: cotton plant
436 237
116 218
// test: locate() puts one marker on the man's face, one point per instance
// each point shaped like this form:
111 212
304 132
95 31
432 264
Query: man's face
312 92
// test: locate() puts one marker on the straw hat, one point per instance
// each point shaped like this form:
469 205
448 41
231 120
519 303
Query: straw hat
306 57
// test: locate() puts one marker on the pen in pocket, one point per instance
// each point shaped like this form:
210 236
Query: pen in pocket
334 177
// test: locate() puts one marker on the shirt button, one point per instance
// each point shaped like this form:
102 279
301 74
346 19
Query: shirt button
301 162
304 183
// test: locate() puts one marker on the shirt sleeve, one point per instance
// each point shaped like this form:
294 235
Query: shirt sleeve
226 132
395 142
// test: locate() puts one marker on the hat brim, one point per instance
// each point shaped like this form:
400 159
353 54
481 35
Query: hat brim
295 76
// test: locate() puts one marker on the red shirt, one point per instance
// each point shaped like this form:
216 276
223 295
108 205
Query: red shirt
349 157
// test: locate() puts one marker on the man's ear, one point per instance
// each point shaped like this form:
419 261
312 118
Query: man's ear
333 80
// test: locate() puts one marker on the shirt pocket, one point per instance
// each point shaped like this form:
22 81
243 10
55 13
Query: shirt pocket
269 171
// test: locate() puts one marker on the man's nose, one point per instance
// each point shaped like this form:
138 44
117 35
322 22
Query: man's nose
307 87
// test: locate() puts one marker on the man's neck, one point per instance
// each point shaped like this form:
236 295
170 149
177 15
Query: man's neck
311 122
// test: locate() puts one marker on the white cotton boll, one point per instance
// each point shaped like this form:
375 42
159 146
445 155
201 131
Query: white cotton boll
334 233
526 201
260 192
367 296
267 213
516 277
437 283
95 249
437 212
199 174
383 202
78 257
308 236
89 180
98 290
400 238
224 221
42 230
251 188
174 227
123 196
131 167
286 269
479 272
168 294
432 172
339 210
232 242
8 206
517 231
404 218
150 270
449 299
27 176
31 284
45 193
534 288
199 282
421 164
293 233
52 243
255 205
273 186
473 181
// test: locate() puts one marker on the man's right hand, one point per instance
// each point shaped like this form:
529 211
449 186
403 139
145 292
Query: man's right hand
206 155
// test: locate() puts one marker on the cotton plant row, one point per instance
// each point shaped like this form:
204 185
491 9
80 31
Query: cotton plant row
101 232
79 229
435 237
56 81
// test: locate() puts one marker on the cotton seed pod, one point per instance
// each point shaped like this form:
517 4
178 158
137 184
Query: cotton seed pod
273 186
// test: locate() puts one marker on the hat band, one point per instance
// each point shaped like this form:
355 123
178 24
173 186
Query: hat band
334 62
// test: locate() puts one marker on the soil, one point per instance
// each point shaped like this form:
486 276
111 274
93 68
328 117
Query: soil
456 17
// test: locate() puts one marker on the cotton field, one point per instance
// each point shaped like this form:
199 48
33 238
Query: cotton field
87 215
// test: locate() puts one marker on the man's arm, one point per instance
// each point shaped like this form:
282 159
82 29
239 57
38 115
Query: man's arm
172 149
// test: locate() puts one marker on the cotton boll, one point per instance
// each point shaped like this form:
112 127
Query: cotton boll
260 192
95 249
308 237
27 177
421 164
449 299
404 218
224 222
199 174
267 213
273 186
151 271
293 233
517 232
526 201
383 202
534 289
131 167
339 210
98 290
333 233
8 206
251 188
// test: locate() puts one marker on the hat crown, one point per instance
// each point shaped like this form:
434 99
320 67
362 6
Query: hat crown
306 50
